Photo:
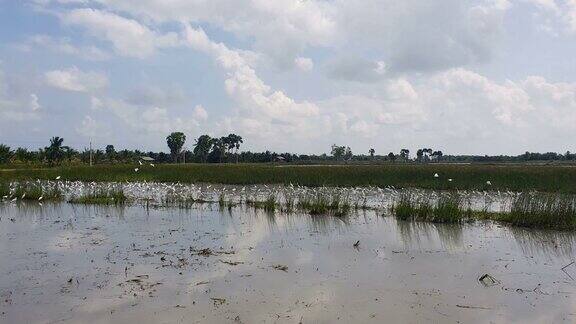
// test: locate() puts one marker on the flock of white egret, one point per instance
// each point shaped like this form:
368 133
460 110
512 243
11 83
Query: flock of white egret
181 194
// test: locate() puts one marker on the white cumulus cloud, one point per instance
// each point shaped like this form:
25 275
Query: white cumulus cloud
73 79
129 37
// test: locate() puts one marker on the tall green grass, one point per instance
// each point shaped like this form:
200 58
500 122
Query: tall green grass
114 196
183 201
36 191
542 210
318 203
4 189
325 204
269 204
529 209
465 177
447 208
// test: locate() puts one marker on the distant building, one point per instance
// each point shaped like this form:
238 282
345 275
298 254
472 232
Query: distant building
146 159
280 159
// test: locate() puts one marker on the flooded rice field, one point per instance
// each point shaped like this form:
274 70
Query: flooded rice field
67 263
185 195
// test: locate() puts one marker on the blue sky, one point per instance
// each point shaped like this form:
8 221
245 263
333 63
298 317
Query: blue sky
463 76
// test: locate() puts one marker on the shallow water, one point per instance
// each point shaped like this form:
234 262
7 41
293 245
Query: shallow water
75 264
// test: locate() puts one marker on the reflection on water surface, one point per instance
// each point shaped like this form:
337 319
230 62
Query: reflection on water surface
79 264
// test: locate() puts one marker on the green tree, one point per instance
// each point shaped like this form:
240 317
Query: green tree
371 151
391 156
23 155
338 152
5 154
69 153
405 154
427 153
219 147
419 155
348 154
202 147
110 153
233 142
438 155
175 142
54 152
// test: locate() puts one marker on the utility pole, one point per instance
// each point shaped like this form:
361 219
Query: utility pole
90 152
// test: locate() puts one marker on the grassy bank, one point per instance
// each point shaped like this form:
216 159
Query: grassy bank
468 177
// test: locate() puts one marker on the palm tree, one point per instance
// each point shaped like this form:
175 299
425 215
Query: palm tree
175 142
405 154
371 151
202 147
219 147
54 152
427 153
237 141
110 152
419 155
438 155
5 153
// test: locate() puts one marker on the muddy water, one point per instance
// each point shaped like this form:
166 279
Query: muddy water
70 264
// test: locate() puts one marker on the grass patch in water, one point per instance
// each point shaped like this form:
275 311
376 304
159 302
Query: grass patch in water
101 197
269 205
325 204
36 191
4 190
184 201
534 210
542 210
446 209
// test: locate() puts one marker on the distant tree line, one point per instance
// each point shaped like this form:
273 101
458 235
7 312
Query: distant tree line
226 149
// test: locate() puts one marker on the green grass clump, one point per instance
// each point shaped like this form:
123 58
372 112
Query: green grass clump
325 204
536 210
183 201
36 191
289 203
4 189
447 208
405 208
102 197
542 210
269 204
222 200
226 203
27 191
